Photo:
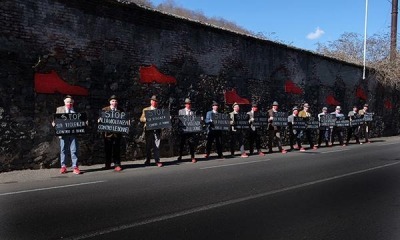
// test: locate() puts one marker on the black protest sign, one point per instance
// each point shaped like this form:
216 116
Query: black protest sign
368 117
260 119
356 121
114 122
342 123
299 123
70 123
157 119
241 121
328 120
189 124
221 121
312 123
280 119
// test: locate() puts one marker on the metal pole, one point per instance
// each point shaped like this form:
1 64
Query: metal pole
365 36
393 32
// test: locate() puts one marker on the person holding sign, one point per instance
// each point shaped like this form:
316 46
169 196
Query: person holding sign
337 130
213 134
68 142
293 132
353 129
306 115
153 137
254 131
188 137
236 134
324 131
274 132
365 126
112 140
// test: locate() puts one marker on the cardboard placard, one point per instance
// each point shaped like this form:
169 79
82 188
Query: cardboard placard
299 123
113 121
280 119
221 121
260 119
157 119
328 120
70 123
342 123
312 123
356 121
190 124
241 121
368 117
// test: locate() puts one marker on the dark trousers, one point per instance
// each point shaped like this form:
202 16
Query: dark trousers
112 146
353 131
153 142
236 137
217 136
254 136
190 139
338 131
324 135
365 129
274 135
309 136
294 138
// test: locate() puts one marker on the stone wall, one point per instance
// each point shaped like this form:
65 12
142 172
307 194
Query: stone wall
100 45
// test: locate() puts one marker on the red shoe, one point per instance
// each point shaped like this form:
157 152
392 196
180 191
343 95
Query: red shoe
63 170
118 169
314 148
244 155
284 151
194 160
76 170
159 164
302 150
261 154
52 83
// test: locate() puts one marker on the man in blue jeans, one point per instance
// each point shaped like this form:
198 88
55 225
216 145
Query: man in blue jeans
68 142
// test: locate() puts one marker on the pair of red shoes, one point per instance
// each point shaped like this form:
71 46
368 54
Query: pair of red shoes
64 170
116 168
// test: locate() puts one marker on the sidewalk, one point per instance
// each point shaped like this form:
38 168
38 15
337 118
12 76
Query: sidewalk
45 174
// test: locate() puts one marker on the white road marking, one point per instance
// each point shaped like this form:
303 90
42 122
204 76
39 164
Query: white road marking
234 164
222 204
341 150
386 144
49 188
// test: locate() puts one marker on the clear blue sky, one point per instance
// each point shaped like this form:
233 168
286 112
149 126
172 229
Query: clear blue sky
301 23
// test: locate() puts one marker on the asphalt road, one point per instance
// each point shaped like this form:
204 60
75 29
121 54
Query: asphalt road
341 193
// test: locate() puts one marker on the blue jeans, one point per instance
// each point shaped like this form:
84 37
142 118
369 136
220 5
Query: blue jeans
69 143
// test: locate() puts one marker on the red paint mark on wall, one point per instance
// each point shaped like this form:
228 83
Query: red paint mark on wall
52 83
387 104
291 87
361 94
152 75
232 97
332 101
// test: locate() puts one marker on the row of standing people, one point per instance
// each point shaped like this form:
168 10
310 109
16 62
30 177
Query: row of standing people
327 134
112 141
